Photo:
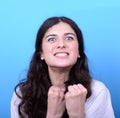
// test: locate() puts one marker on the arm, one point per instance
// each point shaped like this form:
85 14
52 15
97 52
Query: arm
75 101
56 103
99 104
14 106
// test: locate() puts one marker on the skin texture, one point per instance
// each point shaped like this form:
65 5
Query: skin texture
60 52
58 61
56 102
60 44
75 99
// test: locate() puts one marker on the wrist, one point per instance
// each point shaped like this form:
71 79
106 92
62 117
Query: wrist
77 116
53 116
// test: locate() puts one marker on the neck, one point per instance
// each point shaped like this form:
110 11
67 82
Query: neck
58 76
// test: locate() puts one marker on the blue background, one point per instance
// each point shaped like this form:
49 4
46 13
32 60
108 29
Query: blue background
19 23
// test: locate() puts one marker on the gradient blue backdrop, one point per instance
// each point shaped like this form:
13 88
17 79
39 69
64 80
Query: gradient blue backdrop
20 20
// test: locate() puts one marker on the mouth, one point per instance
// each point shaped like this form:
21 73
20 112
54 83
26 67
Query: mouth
61 54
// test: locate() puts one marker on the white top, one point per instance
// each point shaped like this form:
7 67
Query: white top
98 105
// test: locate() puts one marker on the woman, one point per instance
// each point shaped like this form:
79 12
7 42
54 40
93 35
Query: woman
58 83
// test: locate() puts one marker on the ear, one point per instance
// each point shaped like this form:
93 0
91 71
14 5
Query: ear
41 56
79 56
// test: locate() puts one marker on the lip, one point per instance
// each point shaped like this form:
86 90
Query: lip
61 54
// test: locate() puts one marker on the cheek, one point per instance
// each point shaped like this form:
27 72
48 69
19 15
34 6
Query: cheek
75 50
46 50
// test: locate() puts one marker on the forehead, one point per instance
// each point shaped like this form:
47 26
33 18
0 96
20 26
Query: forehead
60 28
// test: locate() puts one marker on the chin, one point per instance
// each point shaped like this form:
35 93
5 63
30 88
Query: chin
64 65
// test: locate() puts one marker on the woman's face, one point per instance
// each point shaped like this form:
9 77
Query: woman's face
60 46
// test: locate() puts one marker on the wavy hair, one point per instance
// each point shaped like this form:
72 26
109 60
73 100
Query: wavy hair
34 89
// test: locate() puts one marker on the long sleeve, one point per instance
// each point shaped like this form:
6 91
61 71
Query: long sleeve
14 106
99 104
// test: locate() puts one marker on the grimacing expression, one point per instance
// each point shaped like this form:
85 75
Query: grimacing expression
60 46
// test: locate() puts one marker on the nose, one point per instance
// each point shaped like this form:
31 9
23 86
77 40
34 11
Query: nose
61 44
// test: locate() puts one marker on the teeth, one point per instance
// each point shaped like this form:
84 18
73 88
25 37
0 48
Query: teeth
61 54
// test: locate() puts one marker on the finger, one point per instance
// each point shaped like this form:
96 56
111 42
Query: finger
51 89
74 89
63 89
77 89
83 89
67 95
70 88
54 91
61 93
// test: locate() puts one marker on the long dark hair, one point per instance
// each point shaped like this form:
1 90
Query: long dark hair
34 89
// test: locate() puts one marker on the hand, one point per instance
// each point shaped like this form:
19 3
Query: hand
56 102
75 101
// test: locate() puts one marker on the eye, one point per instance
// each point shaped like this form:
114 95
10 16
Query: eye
51 39
69 38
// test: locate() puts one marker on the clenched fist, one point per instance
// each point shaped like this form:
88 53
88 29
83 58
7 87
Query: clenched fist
56 102
75 101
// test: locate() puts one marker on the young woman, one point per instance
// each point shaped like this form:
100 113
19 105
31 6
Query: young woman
58 82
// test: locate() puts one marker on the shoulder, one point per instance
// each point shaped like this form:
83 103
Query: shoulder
97 86
98 89
15 99
99 102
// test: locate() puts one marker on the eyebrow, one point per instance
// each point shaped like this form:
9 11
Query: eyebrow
70 34
50 35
